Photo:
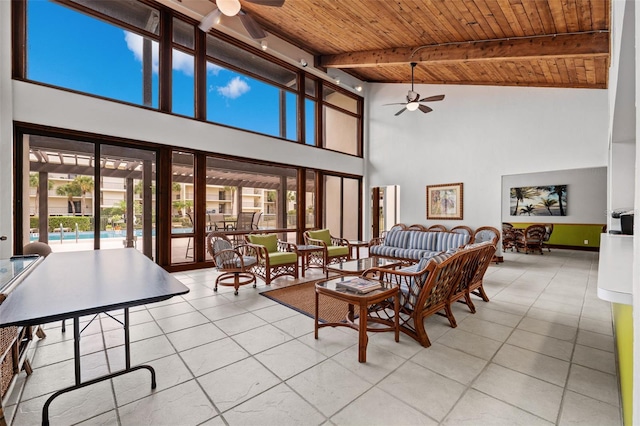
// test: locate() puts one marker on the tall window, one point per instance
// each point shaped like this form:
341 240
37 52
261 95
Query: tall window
341 121
70 49
182 58
249 92
342 195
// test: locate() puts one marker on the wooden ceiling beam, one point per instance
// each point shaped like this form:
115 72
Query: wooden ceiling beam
591 44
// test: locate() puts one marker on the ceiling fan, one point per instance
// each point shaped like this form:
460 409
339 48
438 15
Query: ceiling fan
413 98
234 8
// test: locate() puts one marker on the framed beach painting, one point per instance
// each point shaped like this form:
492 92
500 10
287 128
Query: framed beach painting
550 200
444 201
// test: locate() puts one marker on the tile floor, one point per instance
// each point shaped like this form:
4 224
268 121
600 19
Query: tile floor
541 352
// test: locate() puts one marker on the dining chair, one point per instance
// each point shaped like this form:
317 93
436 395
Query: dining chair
234 266
531 239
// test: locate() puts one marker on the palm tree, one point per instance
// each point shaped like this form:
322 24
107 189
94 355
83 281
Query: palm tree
34 182
520 194
559 191
70 191
528 209
548 203
84 184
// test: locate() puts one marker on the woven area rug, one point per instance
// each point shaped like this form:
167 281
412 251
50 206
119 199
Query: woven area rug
301 297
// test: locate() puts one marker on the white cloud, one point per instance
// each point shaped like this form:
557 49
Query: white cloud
234 89
181 61
213 69
134 44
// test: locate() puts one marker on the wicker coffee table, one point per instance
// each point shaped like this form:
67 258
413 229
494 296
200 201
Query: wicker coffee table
363 301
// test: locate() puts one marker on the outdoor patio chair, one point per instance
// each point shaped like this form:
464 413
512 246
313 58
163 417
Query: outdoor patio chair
334 249
424 290
256 220
275 258
235 268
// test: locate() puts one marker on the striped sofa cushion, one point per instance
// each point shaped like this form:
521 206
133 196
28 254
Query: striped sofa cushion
442 257
450 240
414 254
397 239
423 240
382 251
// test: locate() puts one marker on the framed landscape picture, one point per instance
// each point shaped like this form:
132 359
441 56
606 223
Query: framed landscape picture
548 200
444 201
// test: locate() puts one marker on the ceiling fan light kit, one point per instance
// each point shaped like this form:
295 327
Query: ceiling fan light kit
229 7
413 99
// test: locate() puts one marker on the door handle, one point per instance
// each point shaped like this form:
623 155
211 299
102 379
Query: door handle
3 238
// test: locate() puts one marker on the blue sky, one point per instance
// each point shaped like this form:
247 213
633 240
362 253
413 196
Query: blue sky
69 49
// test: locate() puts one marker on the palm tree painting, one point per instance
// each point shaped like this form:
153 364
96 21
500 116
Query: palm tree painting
548 200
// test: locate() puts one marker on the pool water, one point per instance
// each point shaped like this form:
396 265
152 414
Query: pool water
87 235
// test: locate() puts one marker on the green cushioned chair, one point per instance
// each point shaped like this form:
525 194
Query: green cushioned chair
334 249
275 258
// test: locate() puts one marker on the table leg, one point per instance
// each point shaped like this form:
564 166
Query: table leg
316 317
304 261
363 339
396 308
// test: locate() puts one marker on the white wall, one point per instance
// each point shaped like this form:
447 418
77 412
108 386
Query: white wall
477 135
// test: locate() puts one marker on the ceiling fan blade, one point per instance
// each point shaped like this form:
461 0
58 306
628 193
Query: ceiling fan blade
252 27
424 108
400 112
397 103
432 98
274 3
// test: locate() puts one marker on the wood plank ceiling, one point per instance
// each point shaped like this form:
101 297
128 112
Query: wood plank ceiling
546 43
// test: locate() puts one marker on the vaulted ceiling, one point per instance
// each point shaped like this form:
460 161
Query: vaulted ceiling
552 43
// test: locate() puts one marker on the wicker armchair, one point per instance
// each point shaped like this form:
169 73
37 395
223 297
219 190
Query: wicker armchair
549 229
235 267
461 229
275 258
334 249
425 289
417 227
531 239
478 259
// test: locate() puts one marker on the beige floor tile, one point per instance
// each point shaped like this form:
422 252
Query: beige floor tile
546 328
236 383
141 352
380 362
290 358
596 340
170 310
181 322
274 313
525 392
261 338
219 312
182 404
195 336
239 323
554 317
277 406
581 410
331 340
596 326
534 364
476 408
470 343
550 346
595 358
206 358
484 328
595 384
296 325
379 408
135 385
137 332
68 408
498 317
451 363
435 400
328 386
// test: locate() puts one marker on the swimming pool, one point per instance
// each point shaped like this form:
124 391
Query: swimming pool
88 235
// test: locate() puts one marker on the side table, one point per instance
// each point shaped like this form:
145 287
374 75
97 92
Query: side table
363 301
303 253
357 244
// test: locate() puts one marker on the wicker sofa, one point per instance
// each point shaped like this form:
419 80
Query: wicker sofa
411 245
